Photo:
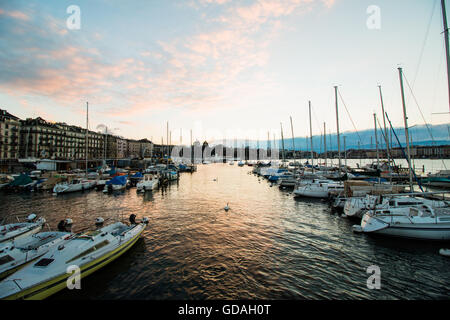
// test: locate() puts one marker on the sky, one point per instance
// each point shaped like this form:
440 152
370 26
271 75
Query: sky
222 68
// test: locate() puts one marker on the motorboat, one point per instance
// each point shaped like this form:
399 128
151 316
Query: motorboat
87 251
117 183
13 231
18 252
318 189
420 222
441 179
74 185
148 183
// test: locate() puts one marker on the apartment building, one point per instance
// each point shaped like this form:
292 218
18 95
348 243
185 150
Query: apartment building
9 135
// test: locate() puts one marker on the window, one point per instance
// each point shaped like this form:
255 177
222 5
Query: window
90 250
5 259
44 262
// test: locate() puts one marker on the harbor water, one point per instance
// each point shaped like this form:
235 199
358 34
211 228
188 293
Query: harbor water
268 246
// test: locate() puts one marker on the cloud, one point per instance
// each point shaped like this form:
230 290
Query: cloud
200 71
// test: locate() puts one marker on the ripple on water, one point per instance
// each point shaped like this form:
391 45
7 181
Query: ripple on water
268 246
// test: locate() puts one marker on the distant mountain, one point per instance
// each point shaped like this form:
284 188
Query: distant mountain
420 135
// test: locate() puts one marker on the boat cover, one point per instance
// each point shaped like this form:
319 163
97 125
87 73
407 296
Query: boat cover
118 180
21 180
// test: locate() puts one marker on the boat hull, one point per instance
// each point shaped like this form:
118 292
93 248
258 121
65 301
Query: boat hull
418 231
46 289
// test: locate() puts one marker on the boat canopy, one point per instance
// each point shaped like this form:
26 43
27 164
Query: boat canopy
21 180
137 175
118 180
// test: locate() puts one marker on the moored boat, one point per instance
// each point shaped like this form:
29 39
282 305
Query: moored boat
88 251
13 231
74 185
421 223
16 253
149 183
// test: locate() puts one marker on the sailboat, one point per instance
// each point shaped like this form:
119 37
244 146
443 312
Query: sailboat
423 222
78 184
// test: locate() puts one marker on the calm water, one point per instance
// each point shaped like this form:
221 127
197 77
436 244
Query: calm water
268 246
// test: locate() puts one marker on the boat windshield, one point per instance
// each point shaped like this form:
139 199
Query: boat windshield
90 250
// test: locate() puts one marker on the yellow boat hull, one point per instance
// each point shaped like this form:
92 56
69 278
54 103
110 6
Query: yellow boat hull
46 289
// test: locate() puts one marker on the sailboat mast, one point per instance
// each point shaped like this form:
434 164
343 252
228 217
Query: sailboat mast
87 135
337 124
447 44
400 70
167 141
384 123
293 140
282 142
325 142
376 138
311 137
192 151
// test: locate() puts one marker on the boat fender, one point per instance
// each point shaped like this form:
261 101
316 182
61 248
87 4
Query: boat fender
31 217
133 219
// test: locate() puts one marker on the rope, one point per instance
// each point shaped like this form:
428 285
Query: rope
424 42
420 110
356 130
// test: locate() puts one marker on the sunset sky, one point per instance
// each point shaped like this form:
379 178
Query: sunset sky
220 67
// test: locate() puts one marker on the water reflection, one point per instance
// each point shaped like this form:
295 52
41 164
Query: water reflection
268 246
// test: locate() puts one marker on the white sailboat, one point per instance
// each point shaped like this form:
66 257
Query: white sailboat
78 184
358 206
422 222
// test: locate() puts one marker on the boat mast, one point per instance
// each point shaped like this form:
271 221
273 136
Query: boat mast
337 124
167 141
87 135
192 151
447 45
345 151
384 123
293 140
376 138
325 142
400 70
282 142
311 137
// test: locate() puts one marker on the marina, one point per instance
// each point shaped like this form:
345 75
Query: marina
101 199
267 245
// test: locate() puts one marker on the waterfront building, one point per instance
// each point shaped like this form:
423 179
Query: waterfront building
9 135
46 140
146 148
133 149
